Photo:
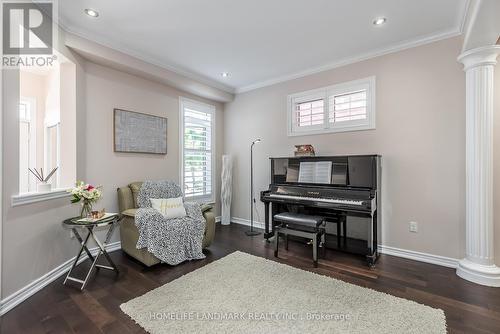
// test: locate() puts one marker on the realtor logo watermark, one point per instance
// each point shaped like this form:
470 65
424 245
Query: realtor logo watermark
29 33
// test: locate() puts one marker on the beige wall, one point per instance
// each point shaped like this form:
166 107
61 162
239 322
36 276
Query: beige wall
420 134
69 125
34 241
111 170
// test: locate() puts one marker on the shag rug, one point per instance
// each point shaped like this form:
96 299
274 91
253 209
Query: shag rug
242 293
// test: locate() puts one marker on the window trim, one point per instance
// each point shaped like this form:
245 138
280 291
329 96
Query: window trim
325 92
32 103
35 197
208 108
57 175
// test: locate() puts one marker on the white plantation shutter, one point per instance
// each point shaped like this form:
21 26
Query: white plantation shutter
310 113
197 155
348 106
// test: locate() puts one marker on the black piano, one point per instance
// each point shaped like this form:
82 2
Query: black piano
333 187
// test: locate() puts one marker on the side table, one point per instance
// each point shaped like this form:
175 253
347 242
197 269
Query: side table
74 224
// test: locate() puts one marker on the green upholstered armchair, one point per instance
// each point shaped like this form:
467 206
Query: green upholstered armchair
127 201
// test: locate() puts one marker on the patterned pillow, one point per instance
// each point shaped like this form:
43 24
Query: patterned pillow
135 187
169 207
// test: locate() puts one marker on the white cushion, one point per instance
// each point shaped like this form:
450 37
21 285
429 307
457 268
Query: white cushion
169 207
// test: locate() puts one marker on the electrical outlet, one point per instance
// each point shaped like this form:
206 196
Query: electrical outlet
413 227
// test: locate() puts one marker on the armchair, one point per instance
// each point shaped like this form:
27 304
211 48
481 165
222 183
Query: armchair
127 201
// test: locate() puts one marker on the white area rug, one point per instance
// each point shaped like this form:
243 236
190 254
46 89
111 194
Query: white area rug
242 293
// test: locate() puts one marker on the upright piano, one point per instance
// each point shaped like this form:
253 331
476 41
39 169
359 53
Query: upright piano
333 187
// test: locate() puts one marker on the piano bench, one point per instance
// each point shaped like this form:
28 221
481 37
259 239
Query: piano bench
300 225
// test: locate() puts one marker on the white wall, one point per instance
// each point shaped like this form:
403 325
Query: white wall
34 240
108 89
420 134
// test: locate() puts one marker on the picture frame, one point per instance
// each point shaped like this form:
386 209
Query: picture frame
135 132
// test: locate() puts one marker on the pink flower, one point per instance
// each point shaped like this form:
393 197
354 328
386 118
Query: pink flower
89 187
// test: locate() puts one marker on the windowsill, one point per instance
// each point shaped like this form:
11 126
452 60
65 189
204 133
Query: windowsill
35 197
205 200
352 128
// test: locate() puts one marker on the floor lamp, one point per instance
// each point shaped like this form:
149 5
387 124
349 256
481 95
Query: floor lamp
252 199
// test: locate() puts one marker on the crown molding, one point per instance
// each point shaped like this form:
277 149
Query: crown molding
351 60
467 14
470 16
121 48
465 19
112 58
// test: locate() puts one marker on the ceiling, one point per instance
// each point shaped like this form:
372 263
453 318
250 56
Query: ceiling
260 42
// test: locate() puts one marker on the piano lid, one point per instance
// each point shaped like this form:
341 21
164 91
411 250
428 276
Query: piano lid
355 171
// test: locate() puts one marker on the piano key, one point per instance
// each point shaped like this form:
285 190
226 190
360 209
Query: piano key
318 199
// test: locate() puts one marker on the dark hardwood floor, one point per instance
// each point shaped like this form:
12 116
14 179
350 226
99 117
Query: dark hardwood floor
469 308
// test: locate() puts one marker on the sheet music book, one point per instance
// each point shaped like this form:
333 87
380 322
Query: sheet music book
315 172
292 174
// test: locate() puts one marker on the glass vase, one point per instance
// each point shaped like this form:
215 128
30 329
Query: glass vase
86 209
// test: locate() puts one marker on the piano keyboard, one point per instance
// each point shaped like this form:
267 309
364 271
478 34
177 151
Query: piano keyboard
319 199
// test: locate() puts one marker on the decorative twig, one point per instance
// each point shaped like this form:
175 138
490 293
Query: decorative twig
50 174
35 173
39 175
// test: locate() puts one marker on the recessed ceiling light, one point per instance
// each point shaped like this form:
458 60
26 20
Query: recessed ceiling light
91 12
379 21
224 74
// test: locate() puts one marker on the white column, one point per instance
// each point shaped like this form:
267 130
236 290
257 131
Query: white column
478 265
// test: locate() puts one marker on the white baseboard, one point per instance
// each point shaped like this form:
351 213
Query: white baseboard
246 222
419 256
9 302
399 252
24 293
241 221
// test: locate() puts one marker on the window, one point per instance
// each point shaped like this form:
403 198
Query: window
47 131
197 156
27 144
348 106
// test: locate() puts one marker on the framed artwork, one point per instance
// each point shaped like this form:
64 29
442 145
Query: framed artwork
135 132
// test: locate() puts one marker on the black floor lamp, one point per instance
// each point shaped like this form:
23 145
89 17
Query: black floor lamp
252 199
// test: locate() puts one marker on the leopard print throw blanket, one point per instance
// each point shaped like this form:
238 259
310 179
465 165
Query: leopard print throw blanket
171 240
